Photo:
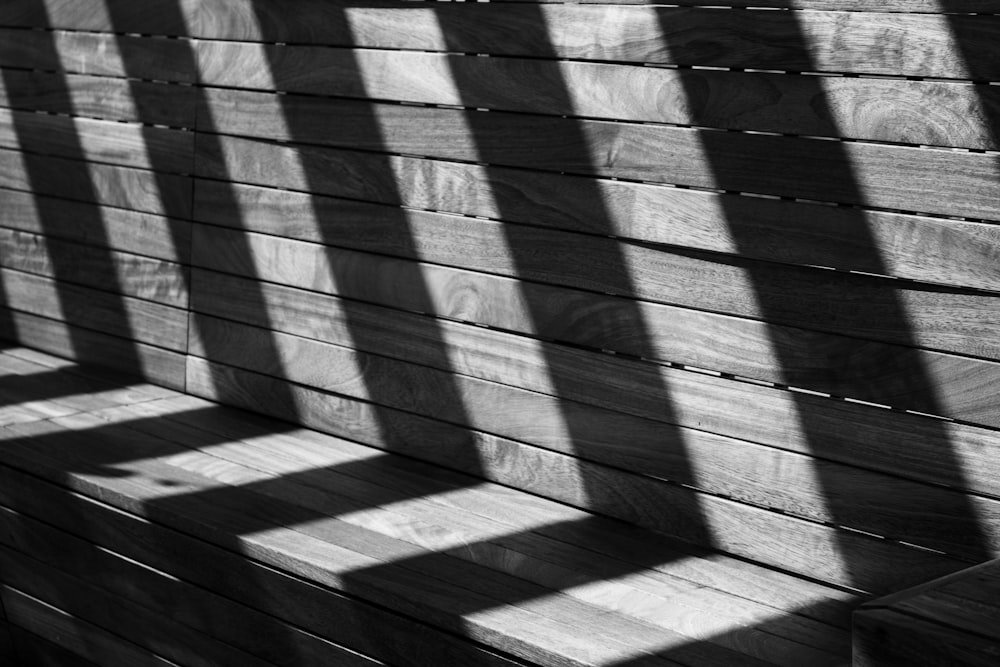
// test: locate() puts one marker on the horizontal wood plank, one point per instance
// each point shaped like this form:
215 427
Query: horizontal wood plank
119 143
100 268
907 44
379 568
102 97
501 460
631 386
964 253
63 639
824 492
248 629
119 229
858 306
360 485
311 607
110 185
965 602
143 635
913 112
95 53
60 338
883 176
128 317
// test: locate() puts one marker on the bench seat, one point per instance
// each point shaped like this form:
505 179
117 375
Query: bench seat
138 521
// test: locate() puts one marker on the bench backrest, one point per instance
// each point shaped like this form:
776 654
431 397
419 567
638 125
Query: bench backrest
730 274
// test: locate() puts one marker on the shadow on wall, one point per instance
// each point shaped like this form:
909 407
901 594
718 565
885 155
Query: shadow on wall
733 171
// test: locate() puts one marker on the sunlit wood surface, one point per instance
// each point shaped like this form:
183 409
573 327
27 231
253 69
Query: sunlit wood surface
139 521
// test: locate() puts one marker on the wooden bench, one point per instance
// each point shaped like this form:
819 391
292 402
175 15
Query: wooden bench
954 620
136 517
569 334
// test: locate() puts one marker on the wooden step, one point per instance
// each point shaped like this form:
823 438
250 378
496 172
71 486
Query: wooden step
176 507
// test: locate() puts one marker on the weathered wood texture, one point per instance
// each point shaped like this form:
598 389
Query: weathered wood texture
652 263
953 621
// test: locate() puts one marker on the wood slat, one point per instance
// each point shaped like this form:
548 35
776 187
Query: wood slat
89 640
833 494
911 45
110 185
964 601
914 112
99 54
907 44
245 628
128 317
102 97
387 571
443 535
789 232
837 303
119 143
111 271
311 607
886 637
120 229
546 473
907 6
894 177
635 387
754 643
506 539
93 347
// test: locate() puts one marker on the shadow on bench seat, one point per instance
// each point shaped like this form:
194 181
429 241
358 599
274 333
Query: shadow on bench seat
139 521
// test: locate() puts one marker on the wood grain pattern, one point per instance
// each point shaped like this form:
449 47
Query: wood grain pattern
95 53
443 534
631 386
99 97
242 627
853 305
908 44
906 6
914 112
358 486
915 247
912 45
110 185
66 340
795 484
147 322
895 177
374 567
120 229
111 271
547 473
120 143
319 610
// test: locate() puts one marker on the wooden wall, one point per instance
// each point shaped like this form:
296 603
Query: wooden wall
730 274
